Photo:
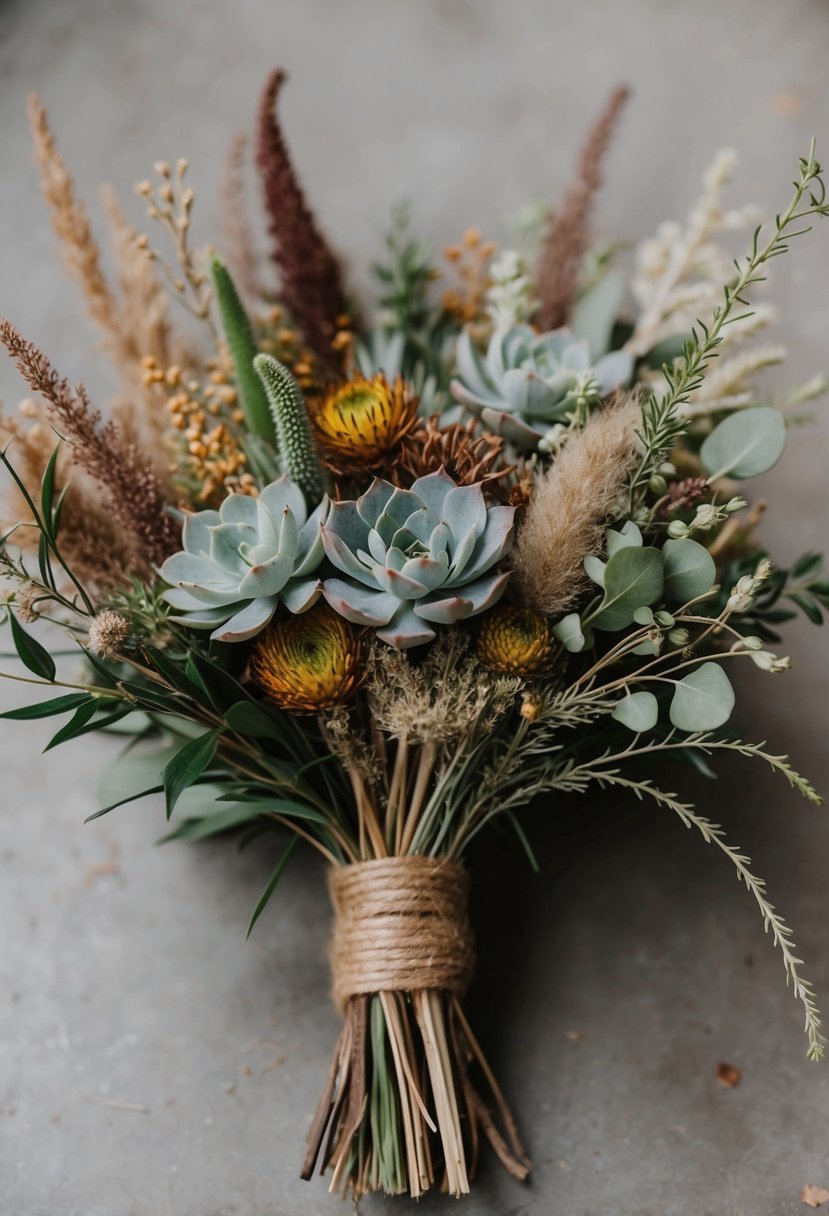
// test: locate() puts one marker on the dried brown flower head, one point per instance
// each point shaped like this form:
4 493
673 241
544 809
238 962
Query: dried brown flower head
461 449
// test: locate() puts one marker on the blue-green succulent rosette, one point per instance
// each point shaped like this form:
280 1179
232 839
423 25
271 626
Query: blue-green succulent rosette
240 562
416 558
526 382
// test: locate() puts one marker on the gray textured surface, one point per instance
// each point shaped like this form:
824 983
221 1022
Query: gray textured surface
124 974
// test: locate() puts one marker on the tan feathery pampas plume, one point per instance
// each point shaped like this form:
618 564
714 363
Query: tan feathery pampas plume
123 472
570 505
568 235
236 243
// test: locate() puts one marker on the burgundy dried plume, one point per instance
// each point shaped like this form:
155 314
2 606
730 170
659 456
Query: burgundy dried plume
568 235
311 286
132 488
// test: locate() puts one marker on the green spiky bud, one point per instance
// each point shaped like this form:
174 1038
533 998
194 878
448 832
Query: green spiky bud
297 454
238 333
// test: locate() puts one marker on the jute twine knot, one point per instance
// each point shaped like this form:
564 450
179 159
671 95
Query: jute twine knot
401 925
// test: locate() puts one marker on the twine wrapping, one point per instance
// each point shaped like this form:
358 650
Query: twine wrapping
401 925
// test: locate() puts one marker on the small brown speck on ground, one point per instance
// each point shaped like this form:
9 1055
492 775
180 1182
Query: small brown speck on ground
574 1036
788 104
814 1196
728 1075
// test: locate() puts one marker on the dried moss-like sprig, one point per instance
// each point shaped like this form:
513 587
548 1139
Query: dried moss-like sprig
568 235
132 487
435 701
570 505
311 286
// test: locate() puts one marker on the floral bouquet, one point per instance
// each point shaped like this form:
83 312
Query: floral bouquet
376 579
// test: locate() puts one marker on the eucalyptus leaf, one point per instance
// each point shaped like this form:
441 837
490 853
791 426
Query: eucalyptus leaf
594 568
745 444
627 537
638 711
703 700
689 570
569 633
633 578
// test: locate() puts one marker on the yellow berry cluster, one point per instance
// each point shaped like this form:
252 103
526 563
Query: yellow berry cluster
275 337
471 260
210 461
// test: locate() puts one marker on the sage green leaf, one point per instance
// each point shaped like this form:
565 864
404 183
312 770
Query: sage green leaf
633 578
689 570
637 711
187 765
30 652
271 886
745 444
628 536
643 615
569 633
703 700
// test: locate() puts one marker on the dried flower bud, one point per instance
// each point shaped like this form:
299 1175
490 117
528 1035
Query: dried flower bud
767 661
678 637
108 631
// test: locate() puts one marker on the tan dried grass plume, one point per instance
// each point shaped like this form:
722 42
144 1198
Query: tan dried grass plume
570 505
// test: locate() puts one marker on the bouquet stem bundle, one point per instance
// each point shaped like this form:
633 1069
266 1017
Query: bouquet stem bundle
401 957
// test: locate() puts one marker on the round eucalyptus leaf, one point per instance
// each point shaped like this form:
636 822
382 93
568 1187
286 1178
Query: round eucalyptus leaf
629 535
594 568
643 615
569 633
745 444
633 577
689 570
703 700
638 711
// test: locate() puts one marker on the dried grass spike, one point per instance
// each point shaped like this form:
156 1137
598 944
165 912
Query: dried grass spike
570 505
70 222
569 234
235 236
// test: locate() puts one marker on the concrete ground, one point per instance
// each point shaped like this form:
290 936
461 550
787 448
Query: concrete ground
152 1063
